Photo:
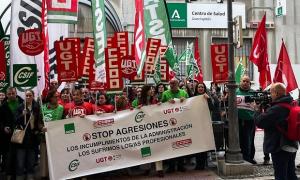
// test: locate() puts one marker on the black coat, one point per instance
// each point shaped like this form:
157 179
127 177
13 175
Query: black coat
273 117
8 119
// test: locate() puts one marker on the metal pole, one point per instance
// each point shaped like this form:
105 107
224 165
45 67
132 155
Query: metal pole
233 154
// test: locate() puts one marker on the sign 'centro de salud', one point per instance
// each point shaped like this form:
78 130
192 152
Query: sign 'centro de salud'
193 15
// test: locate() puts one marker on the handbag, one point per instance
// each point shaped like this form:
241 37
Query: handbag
18 134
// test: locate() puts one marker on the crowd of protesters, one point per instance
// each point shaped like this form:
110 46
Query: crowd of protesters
18 161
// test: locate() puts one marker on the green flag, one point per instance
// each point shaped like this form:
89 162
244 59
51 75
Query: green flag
99 28
157 26
239 72
157 74
192 68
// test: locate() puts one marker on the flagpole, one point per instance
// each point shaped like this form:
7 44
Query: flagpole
233 154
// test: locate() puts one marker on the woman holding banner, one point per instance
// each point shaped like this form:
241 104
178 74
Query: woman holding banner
148 98
103 105
52 111
28 113
213 103
78 107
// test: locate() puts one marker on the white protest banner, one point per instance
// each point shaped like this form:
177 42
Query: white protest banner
94 144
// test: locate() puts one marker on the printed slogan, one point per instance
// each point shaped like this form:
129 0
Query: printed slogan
111 141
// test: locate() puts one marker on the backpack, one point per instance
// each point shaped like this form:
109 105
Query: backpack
293 121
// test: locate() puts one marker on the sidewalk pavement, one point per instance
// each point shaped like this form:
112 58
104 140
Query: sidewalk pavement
261 172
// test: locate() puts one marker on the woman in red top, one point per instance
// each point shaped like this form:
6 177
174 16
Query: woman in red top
65 97
103 105
78 107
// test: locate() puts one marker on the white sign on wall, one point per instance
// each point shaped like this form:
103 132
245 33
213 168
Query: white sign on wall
280 9
212 15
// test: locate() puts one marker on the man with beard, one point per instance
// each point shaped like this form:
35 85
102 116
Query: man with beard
246 121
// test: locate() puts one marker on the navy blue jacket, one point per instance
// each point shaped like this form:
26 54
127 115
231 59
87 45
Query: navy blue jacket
274 116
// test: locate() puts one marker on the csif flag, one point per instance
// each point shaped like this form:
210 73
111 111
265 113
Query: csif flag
284 72
32 10
157 26
259 54
99 29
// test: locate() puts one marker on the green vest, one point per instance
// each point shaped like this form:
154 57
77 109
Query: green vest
168 94
53 114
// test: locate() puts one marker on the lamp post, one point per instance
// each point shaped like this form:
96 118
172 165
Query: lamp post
233 154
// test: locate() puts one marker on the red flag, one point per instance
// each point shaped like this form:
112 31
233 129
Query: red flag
46 46
259 54
199 76
139 33
66 60
219 62
284 72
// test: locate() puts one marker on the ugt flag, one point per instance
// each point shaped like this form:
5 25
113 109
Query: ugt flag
284 72
32 10
259 54
62 11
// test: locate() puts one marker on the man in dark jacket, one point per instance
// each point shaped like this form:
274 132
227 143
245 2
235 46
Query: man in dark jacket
246 122
283 151
7 112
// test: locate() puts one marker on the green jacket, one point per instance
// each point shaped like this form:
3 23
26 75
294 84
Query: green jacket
167 95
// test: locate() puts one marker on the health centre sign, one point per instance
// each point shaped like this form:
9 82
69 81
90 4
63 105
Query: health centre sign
193 15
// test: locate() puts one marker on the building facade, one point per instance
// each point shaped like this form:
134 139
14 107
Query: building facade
120 16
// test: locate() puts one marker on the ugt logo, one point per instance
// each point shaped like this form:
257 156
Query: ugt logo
25 75
66 5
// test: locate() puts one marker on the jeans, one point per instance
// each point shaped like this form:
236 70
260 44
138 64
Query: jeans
284 165
247 133
25 158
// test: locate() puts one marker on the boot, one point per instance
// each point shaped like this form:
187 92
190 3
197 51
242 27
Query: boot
30 177
8 177
20 177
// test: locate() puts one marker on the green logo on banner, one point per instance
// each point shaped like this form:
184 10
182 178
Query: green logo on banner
146 151
69 128
177 14
25 75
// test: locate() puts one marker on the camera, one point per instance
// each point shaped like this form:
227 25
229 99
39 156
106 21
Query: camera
260 97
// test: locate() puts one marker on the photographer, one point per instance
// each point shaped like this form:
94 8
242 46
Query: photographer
283 151
246 122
